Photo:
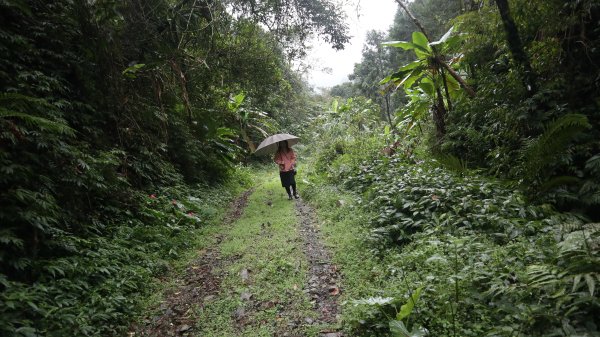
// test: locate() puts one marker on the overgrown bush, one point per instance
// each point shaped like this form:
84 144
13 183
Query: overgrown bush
93 283
496 129
487 261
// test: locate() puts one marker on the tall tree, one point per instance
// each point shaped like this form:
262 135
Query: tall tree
294 21
374 66
516 46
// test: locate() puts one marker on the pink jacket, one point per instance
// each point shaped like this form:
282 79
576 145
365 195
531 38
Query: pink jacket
285 160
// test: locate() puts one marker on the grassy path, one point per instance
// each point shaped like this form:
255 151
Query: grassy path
264 273
261 291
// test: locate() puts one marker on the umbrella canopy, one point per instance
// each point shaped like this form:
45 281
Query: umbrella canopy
269 145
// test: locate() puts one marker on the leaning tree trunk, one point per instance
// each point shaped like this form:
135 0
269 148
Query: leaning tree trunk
446 91
414 19
439 60
516 46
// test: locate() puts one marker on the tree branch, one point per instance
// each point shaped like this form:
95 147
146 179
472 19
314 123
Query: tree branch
414 19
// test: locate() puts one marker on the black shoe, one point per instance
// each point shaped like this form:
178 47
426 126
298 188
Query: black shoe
290 197
296 196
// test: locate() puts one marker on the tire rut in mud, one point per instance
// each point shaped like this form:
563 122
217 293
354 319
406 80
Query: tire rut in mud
323 277
199 285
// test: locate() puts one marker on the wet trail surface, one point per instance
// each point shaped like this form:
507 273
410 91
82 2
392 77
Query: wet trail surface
200 283
203 282
324 280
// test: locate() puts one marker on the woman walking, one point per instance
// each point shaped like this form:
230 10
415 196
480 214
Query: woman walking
286 159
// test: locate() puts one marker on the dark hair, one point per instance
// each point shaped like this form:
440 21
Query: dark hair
281 147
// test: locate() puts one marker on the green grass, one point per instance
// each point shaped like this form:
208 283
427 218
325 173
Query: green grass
265 242
201 238
343 229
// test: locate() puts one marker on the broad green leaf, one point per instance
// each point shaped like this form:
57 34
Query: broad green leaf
400 44
386 80
451 43
445 37
411 78
400 74
398 328
421 54
412 65
407 308
236 101
427 85
452 83
420 41
419 66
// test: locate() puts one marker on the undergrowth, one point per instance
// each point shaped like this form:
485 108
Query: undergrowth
427 251
94 284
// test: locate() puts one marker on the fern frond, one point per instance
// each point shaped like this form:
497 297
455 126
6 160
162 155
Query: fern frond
593 165
559 181
11 97
540 152
544 275
452 163
39 122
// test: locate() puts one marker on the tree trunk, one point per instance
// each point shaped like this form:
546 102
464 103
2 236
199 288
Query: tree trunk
180 74
459 79
516 46
439 116
387 110
445 83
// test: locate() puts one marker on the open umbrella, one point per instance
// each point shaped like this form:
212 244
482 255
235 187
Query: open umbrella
269 145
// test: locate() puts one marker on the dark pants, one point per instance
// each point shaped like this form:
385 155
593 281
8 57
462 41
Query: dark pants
288 180
291 190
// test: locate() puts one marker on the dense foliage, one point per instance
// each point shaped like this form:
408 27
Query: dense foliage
121 123
455 253
544 134
110 113
534 115
515 94
509 88
379 61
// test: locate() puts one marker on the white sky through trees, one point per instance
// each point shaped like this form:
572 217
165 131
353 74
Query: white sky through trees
330 67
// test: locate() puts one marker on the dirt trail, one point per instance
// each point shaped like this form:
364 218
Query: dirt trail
324 279
199 285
